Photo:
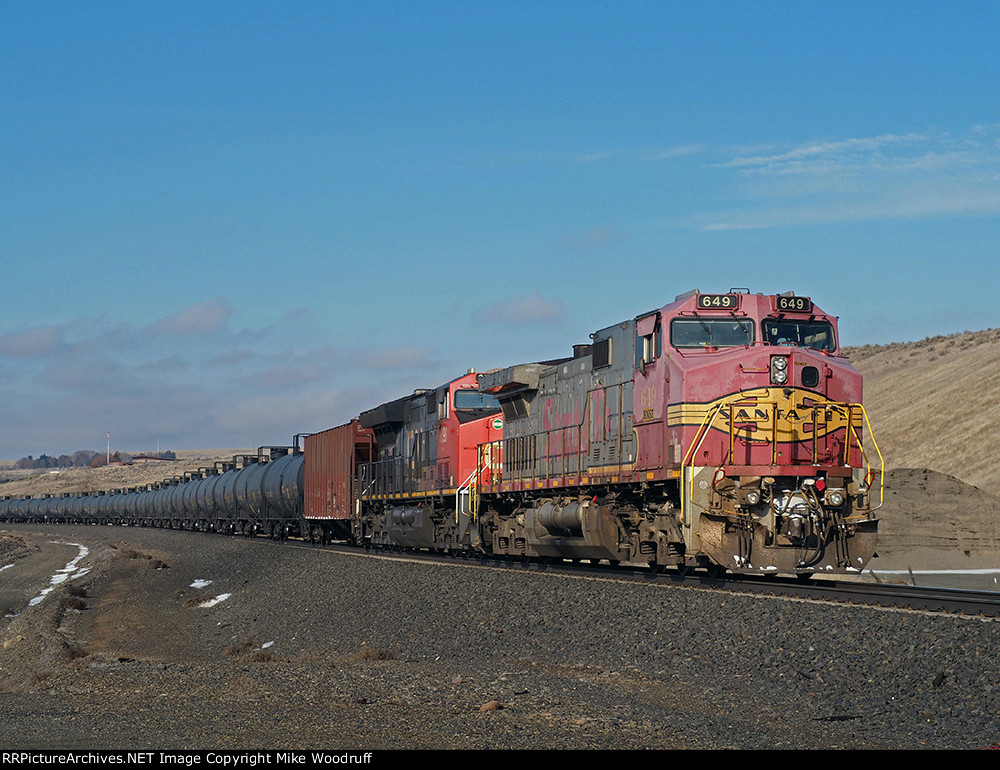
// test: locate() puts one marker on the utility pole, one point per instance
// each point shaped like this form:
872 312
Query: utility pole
109 447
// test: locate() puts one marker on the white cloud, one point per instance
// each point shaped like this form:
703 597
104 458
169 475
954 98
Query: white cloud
643 154
200 318
66 385
821 150
276 417
889 176
32 343
292 375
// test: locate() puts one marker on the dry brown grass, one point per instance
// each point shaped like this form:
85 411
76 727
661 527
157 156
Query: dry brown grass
249 651
235 650
71 602
936 403
370 653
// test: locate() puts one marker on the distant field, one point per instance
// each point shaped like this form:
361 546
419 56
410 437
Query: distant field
17 483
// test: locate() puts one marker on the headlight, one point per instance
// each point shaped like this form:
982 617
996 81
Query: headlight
753 497
835 497
779 370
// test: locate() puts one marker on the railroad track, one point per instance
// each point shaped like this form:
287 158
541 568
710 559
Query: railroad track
888 595
922 598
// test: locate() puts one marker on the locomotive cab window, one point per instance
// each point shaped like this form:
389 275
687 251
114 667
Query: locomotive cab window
473 405
647 347
711 332
800 334
473 399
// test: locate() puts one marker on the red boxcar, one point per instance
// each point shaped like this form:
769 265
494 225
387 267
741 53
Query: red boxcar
332 459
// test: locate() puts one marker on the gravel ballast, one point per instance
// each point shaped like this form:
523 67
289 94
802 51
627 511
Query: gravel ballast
311 649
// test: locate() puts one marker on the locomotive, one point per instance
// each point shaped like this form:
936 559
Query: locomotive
721 431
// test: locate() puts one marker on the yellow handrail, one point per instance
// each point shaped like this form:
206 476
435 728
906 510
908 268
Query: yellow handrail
706 423
864 456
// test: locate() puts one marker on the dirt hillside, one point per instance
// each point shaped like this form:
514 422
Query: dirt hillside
936 403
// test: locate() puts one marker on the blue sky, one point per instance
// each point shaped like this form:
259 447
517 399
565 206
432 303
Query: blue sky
225 223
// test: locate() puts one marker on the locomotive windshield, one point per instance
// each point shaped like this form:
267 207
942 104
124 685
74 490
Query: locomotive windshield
799 334
473 399
711 332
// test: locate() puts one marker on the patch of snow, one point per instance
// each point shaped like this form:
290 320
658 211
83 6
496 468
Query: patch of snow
63 574
215 600
38 599
201 583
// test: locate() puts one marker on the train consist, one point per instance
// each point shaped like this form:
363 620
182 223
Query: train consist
722 431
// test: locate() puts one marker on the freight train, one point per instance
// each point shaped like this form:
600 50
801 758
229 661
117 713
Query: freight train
721 431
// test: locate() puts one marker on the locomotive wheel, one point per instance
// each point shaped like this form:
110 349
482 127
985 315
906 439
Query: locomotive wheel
683 569
716 571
